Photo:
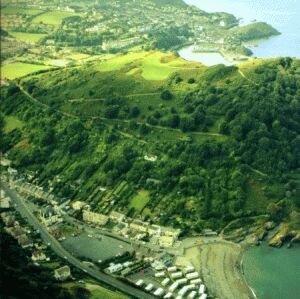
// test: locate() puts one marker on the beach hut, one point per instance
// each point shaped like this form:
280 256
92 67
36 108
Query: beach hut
140 282
172 269
188 269
176 275
183 291
192 295
165 281
173 287
196 281
160 274
182 281
192 275
159 292
201 289
149 287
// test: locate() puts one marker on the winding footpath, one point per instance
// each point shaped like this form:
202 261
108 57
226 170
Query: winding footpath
208 134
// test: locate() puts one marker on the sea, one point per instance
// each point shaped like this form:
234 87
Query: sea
284 15
273 273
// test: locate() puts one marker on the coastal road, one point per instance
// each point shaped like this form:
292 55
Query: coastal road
60 251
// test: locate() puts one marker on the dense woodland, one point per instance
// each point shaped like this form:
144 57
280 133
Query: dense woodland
250 168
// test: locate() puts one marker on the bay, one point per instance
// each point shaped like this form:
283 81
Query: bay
284 15
273 273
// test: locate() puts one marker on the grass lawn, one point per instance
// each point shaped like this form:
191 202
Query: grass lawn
53 17
20 69
153 66
256 199
78 56
158 66
11 123
11 10
98 292
114 63
139 201
27 37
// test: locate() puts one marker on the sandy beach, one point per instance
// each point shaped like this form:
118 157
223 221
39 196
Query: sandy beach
219 263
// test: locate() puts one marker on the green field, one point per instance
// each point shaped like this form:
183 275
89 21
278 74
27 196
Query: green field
20 69
152 65
139 201
53 17
98 292
12 123
114 63
155 68
11 10
27 37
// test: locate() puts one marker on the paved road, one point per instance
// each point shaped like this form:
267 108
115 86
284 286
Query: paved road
60 251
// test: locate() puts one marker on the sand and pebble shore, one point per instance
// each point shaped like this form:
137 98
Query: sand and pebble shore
219 263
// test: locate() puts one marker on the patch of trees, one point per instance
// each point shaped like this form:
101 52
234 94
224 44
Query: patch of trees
21 279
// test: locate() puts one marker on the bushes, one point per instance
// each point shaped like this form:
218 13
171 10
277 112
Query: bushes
166 95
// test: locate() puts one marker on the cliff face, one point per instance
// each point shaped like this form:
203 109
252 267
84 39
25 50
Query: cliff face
283 235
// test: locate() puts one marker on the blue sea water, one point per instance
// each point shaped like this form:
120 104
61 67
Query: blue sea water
273 273
284 15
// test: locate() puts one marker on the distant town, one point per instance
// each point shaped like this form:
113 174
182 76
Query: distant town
48 35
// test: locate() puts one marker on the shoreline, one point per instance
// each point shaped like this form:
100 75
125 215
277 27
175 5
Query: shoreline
220 263
227 59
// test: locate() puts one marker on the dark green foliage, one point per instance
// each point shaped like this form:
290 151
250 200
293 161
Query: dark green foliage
204 179
256 31
21 279
166 95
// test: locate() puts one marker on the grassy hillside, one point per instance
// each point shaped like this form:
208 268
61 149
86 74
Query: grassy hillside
19 69
226 138
135 80
27 37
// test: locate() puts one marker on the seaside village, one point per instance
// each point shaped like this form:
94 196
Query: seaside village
151 266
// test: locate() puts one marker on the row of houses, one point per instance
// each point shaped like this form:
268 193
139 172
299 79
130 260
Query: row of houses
162 236
13 228
5 202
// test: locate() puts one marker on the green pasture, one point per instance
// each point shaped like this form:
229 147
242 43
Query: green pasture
139 201
11 123
20 69
27 37
53 17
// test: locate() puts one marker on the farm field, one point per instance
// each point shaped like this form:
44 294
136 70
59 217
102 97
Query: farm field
20 69
53 17
27 37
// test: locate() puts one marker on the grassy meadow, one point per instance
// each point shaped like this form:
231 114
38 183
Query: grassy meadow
20 69
27 37
151 65
11 123
53 18
139 201
11 10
